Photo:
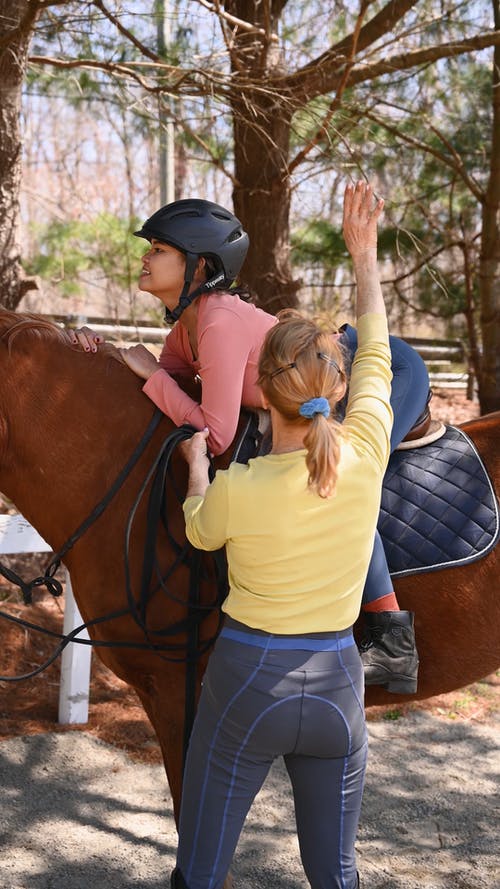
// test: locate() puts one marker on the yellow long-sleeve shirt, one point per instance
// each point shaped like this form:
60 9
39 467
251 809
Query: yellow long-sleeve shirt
298 562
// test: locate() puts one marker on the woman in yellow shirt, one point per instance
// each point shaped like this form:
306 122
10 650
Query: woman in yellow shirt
285 677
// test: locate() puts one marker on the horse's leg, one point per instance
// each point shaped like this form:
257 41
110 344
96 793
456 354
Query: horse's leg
168 723
167 719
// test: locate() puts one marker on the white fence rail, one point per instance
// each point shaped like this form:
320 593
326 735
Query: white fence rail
18 536
443 354
117 330
434 352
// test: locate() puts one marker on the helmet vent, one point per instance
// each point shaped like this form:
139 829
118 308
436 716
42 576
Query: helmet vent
190 214
234 236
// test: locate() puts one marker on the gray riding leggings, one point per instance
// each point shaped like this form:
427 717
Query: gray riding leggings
265 696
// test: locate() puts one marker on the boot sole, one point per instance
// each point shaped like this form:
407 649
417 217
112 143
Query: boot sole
402 686
397 686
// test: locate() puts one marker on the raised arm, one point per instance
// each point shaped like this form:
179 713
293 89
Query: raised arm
360 234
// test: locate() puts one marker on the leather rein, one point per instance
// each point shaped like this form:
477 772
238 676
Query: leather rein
184 553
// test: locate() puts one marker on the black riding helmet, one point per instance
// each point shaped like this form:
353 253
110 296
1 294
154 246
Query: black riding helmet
199 228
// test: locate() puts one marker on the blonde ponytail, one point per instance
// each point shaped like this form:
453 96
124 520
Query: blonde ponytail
301 374
323 453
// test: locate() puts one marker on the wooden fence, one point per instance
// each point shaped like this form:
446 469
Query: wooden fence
441 356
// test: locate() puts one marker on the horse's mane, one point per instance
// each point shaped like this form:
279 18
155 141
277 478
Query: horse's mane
14 323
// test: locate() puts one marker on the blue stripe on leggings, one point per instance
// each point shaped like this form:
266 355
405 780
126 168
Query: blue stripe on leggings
239 754
288 643
217 728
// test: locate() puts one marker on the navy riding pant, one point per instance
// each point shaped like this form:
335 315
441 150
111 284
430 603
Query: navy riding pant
266 696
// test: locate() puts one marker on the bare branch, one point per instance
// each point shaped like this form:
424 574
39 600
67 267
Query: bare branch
192 80
398 279
454 162
325 77
382 23
425 56
313 77
233 20
322 132
126 33
422 263
214 160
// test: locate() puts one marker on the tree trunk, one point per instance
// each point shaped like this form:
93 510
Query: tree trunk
489 267
262 198
17 19
261 126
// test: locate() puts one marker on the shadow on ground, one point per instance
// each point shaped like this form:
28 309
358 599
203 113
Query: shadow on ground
78 813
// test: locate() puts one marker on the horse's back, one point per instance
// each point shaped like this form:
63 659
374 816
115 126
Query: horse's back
457 609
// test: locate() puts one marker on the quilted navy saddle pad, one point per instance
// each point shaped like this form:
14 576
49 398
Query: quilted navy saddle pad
438 507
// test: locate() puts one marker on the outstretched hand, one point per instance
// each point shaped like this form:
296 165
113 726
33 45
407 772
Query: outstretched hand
360 219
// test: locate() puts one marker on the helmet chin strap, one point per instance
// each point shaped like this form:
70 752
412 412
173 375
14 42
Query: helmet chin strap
186 298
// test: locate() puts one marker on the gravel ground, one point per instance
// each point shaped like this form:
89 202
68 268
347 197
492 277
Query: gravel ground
77 812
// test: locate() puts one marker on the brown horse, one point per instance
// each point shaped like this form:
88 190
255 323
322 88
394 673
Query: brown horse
68 423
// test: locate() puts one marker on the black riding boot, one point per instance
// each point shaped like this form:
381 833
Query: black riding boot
388 651
177 881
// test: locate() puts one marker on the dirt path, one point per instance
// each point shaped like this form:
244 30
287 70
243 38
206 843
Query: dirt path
79 813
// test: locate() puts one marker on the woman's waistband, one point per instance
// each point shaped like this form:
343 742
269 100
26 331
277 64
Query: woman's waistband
334 640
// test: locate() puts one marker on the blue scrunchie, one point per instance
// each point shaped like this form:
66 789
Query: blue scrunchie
315 406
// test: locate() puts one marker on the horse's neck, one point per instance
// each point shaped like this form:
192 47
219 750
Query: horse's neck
72 420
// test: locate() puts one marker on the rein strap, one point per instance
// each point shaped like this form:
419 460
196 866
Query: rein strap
189 652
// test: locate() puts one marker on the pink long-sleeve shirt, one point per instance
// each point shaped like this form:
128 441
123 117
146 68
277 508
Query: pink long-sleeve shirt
230 335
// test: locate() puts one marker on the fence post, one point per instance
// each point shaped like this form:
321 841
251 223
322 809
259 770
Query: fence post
18 536
75 667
